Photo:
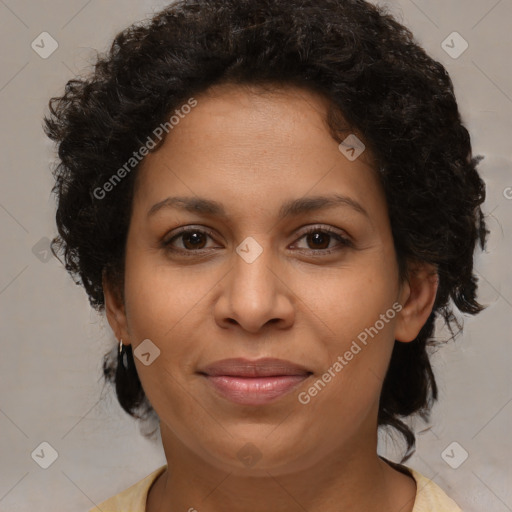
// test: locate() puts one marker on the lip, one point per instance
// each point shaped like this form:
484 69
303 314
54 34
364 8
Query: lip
264 367
257 382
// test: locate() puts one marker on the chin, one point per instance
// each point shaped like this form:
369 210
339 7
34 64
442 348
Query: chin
259 454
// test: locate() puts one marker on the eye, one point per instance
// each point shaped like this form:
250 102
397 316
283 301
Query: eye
320 238
192 239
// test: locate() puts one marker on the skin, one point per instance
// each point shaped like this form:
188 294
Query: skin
252 150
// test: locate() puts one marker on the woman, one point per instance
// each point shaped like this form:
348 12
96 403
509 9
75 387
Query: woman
272 202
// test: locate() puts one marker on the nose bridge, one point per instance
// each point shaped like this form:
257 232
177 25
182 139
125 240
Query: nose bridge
255 289
253 278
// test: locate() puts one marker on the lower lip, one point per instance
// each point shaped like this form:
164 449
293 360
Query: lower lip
254 390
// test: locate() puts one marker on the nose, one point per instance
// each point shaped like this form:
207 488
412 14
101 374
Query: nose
256 292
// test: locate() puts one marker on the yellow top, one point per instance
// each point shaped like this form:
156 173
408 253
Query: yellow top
429 496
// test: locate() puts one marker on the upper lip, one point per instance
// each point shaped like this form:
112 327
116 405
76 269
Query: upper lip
264 367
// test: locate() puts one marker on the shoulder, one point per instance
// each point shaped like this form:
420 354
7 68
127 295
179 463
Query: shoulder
430 497
132 499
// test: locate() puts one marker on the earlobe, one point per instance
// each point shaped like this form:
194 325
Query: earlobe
115 310
417 297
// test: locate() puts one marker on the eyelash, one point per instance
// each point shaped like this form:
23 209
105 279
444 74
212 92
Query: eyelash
344 242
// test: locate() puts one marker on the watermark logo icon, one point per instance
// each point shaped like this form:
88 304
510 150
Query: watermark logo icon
146 352
41 250
352 147
249 250
249 455
44 45
454 45
454 455
45 455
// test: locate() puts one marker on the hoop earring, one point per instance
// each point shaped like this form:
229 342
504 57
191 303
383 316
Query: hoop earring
122 356
128 387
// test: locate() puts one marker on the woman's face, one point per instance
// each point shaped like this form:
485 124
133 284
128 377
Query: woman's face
247 281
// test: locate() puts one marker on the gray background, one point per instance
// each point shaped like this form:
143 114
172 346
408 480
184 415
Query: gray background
52 342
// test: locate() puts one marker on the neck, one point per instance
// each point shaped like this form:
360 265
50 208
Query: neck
354 479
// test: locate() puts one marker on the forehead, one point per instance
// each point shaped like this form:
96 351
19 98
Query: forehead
255 146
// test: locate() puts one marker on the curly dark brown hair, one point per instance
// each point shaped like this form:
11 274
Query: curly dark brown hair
373 73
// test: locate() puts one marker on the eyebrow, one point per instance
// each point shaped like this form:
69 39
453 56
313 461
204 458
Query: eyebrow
290 208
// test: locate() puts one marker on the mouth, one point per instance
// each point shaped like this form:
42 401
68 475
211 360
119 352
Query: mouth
258 382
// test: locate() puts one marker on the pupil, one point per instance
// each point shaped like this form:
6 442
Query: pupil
194 238
319 237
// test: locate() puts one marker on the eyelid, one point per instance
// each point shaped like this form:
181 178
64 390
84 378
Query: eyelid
327 229
343 238
185 229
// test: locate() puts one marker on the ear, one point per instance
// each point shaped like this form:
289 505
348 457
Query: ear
417 296
115 310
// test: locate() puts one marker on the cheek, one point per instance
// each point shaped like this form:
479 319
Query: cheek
346 301
159 305
349 386
158 296
166 306
354 318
